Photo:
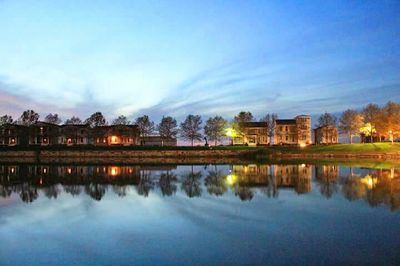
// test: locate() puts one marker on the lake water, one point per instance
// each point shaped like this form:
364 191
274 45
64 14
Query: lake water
244 214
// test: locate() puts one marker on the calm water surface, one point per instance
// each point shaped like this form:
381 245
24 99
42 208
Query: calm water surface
253 214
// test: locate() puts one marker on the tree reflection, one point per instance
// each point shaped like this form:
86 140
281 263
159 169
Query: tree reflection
244 193
167 183
121 191
28 193
95 191
74 190
215 183
191 184
146 184
51 191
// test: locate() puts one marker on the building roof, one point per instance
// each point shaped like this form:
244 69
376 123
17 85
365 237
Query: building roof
253 124
285 121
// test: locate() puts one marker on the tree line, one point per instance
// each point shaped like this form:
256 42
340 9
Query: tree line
374 122
371 120
191 129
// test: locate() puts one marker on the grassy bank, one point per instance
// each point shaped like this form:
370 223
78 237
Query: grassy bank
364 148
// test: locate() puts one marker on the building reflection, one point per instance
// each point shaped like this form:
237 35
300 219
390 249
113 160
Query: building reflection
270 178
374 186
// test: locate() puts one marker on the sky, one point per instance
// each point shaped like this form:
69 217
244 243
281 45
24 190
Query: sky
197 57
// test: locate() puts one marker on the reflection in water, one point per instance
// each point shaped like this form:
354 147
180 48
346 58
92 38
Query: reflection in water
375 186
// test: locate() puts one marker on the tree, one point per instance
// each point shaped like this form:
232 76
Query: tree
270 120
350 123
73 121
28 118
389 120
96 119
52 119
6 119
215 128
327 119
371 114
190 128
168 127
121 120
146 126
243 117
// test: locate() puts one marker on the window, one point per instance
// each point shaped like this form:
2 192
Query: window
286 128
287 138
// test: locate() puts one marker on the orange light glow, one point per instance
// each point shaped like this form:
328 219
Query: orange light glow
114 171
69 170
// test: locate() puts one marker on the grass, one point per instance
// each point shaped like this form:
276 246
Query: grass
364 148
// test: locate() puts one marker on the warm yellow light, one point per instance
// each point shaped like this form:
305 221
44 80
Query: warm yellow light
113 139
12 170
230 132
369 181
69 170
114 171
44 170
303 165
231 179
302 145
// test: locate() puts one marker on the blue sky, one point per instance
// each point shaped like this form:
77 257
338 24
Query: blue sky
203 57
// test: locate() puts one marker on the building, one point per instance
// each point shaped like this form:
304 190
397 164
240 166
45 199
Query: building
295 131
252 134
157 141
326 135
12 135
75 135
42 133
115 135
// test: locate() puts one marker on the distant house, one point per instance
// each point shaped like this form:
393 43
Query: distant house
115 135
295 131
42 133
326 135
157 141
75 135
12 135
252 134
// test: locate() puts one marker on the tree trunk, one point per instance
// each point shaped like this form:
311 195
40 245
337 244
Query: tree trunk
192 142
215 144
351 138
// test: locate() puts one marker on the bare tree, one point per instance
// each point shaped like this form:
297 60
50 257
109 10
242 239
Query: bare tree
214 128
28 118
121 120
168 127
190 128
243 117
327 119
270 120
350 123
146 126
53 119
96 119
73 121
6 119
389 120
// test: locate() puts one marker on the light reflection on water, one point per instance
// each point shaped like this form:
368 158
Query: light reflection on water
198 214
375 186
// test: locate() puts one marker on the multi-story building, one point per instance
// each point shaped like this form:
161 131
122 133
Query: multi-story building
295 131
116 135
42 133
12 135
326 135
75 135
252 134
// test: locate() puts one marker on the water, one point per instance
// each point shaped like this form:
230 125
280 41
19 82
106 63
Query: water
198 215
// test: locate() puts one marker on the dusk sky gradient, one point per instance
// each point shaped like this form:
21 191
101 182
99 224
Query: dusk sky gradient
202 57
